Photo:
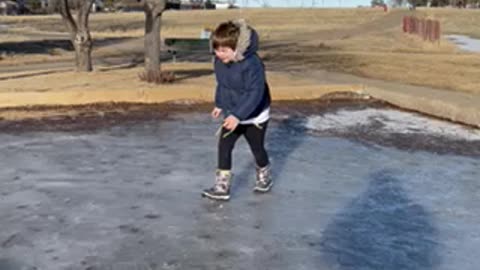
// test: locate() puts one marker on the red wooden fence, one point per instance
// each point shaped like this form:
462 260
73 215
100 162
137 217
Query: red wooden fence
426 28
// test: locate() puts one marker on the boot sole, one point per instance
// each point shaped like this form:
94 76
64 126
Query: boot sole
216 197
263 190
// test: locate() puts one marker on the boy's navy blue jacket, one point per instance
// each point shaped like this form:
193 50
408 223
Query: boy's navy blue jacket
242 90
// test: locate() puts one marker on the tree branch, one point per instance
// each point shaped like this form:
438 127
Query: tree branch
156 7
67 16
83 13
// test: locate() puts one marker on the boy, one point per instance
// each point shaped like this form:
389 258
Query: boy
243 97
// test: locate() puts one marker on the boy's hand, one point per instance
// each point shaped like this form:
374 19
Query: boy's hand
216 112
231 122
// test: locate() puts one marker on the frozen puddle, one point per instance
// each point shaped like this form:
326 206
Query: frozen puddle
465 42
391 121
128 197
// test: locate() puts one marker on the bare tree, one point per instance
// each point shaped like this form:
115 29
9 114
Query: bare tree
78 29
153 14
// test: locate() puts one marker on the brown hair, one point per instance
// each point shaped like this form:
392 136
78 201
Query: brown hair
226 35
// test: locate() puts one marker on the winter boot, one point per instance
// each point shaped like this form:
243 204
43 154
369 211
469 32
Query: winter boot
221 188
264 179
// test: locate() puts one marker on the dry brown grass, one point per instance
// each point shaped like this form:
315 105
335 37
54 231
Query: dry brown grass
270 22
379 50
365 42
14 38
189 23
194 82
456 21
446 74
190 75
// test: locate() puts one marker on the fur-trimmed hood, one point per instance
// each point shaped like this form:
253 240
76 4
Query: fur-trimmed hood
247 43
242 89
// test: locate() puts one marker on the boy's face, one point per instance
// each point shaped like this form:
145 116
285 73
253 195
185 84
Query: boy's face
225 54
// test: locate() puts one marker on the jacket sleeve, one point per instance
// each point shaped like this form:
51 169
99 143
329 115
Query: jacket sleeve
218 89
218 100
254 90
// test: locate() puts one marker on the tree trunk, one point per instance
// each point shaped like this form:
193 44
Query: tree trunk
83 40
152 42
153 21
83 52
79 32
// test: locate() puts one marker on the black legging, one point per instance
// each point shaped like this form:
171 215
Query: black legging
255 136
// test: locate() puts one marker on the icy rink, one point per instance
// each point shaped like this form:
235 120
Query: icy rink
128 197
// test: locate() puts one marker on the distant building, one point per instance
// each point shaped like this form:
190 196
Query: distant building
206 4
225 4
8 7
192 4
98 6
137 5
